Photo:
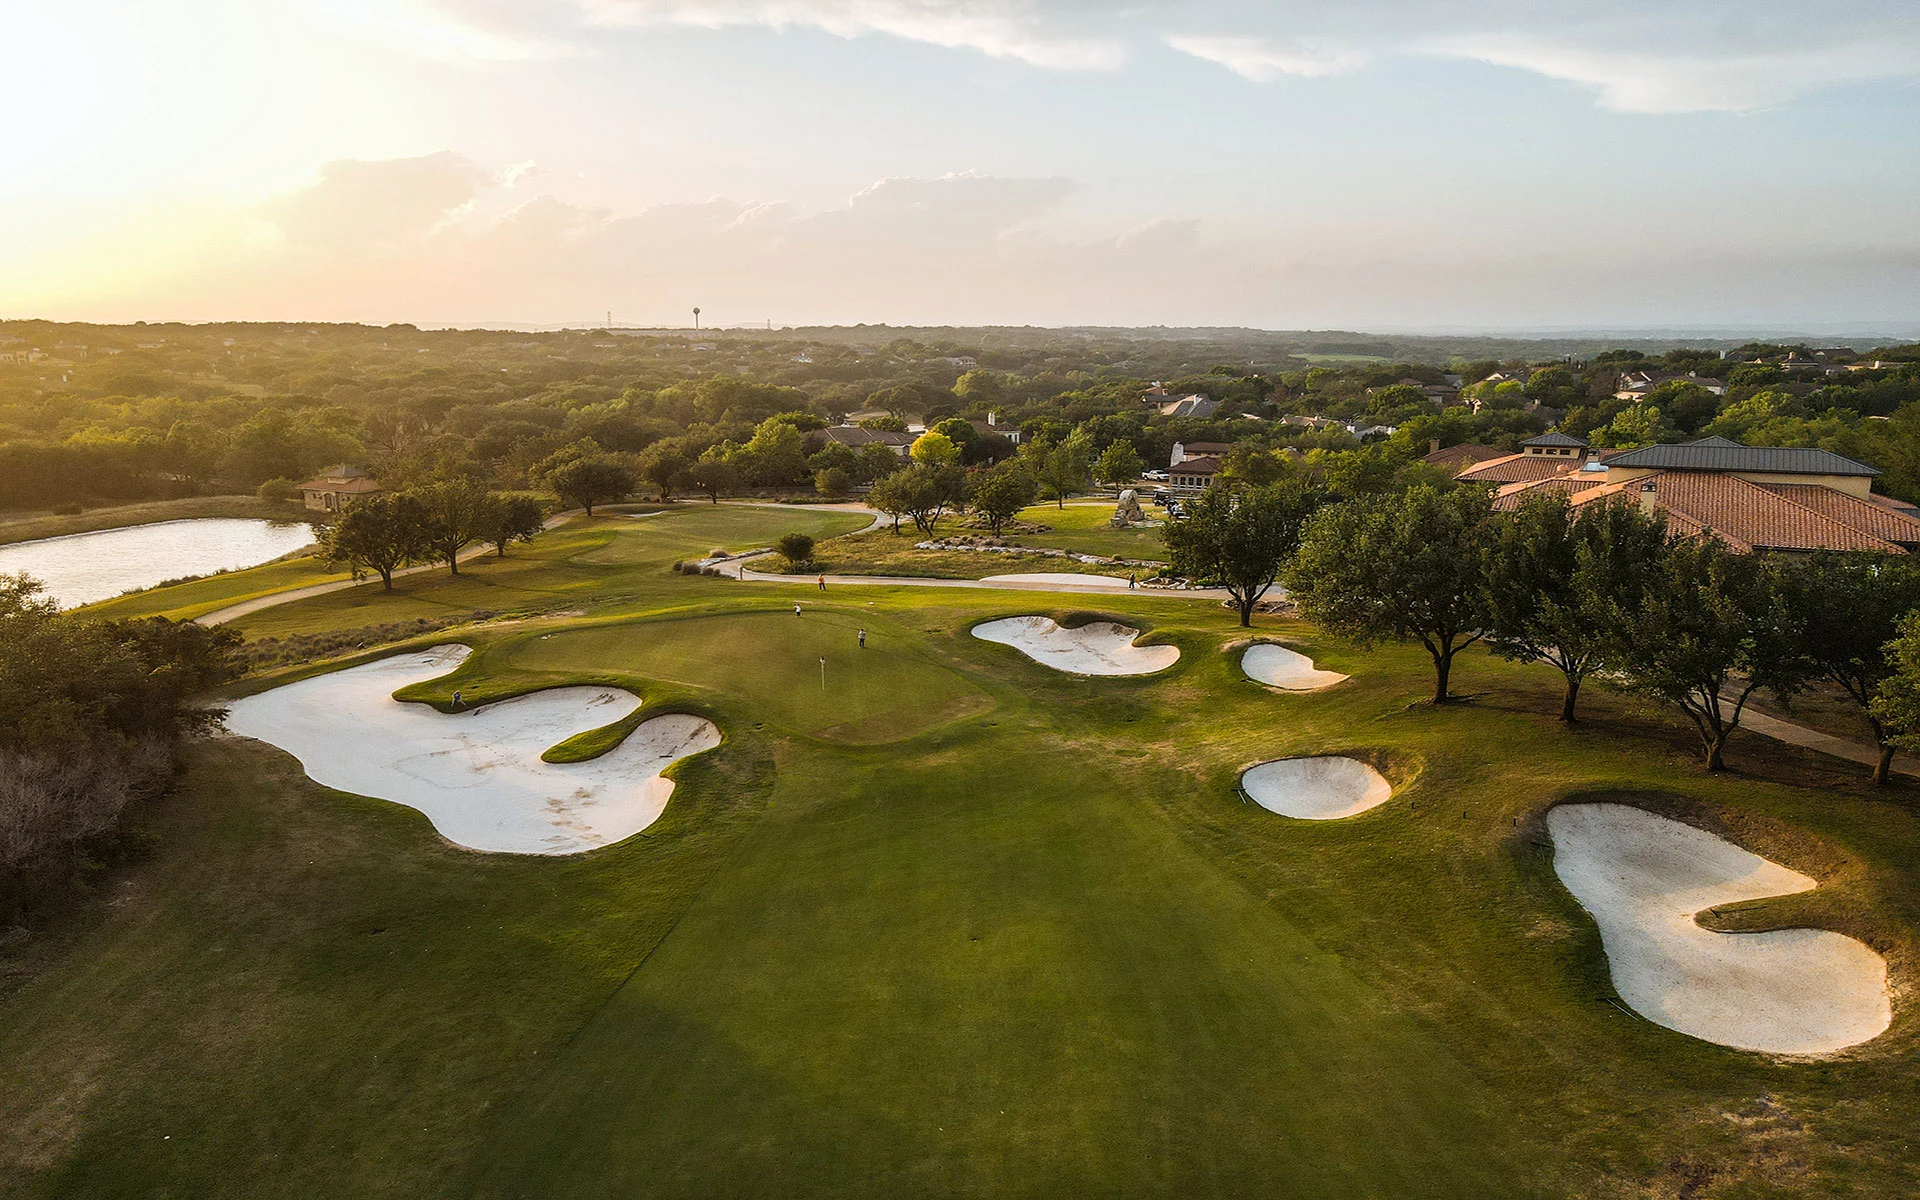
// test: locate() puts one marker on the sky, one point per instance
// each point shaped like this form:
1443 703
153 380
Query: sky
1373 164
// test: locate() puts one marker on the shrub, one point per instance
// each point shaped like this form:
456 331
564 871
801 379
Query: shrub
796 548
277 489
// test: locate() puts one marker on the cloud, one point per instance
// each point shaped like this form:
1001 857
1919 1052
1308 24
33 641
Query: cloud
376 205
1639 56
1261 59
1061 35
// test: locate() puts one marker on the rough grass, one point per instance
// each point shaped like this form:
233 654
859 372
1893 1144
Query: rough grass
1037 949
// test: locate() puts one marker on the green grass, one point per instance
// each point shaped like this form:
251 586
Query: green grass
597 562
1081 527
1031 946
185 601
891 689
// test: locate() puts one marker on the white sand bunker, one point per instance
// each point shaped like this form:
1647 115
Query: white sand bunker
477 775
1644 877
1059 577
1099 648
1288 670
1316 789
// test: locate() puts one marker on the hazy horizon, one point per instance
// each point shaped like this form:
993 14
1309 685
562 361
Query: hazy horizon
1485 168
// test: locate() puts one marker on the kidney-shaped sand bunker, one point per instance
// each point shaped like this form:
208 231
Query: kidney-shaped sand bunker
1316 789
1288 670
1645 877
1097 648
477 775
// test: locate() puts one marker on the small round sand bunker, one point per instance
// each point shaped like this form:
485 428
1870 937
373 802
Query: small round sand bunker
1097 648
1316 789
1288 670
478 774
1645 878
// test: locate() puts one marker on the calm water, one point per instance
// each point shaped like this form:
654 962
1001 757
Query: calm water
83 567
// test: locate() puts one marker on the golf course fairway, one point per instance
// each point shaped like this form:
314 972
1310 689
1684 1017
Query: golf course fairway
942 922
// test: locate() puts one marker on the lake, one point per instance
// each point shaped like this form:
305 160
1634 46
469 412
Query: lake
81 568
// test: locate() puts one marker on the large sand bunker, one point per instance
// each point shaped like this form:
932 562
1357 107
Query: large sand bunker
1098 648
1316 789
1064 578
477 775
1288 670
1644 877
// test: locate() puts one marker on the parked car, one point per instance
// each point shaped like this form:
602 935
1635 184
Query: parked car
1160 476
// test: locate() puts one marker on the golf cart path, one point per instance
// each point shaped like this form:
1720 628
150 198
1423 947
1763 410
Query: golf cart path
1826 743
233 612
736 568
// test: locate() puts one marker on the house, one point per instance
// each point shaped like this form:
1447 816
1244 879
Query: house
1634 385
1193 475
1458 458
1540 458
963 362
855 437
1752 497
338 486
1189 406
992 425
1182 451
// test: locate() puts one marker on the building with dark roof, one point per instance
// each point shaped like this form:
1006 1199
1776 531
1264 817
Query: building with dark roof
1458 458
855 436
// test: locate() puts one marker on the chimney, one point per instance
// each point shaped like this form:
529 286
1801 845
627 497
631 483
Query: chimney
1433 445
1649 496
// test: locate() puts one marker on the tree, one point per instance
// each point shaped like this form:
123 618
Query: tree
1405 566
934 449
877 461
921 492
456 512
833 481
1063 469
1554 579
1239 538
775 456
379 534
1119 463
511 519
796 548
1252 465
713 476
1846 610
1896 702
1710 630
593 479
1000 493
664 465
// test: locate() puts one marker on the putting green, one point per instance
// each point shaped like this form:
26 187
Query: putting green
890 690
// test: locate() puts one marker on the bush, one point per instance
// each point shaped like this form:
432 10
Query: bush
833 481
796 548
277 489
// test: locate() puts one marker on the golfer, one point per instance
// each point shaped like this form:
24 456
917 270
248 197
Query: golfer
823 583
1131 581
456 697
863 639
796 610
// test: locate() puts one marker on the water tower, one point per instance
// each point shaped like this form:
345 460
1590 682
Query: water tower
696 316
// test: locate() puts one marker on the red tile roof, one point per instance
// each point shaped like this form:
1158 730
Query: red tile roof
1518 468
1875 520
1511 496
1466 454
1746 515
